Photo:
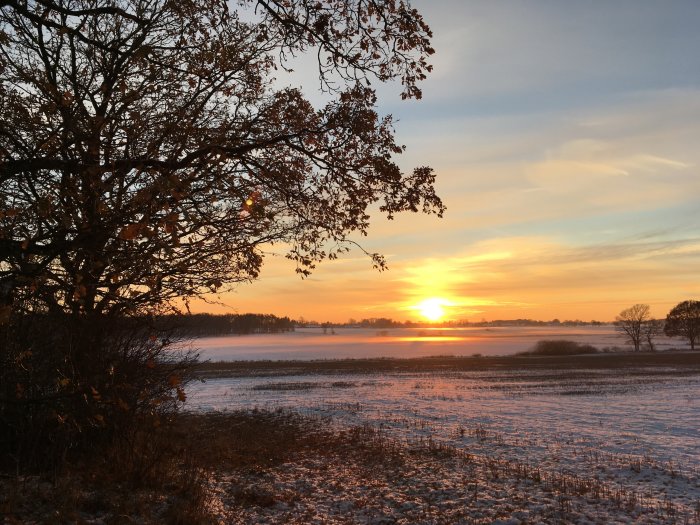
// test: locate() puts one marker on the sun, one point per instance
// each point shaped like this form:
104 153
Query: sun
432 309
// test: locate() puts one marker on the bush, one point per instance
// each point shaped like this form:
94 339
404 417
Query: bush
70 384
560 347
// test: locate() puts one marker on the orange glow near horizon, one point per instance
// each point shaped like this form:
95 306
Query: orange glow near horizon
562 202
523 277
432 309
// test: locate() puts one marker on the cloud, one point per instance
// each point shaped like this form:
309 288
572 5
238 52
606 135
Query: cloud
564 136
542 278
568 51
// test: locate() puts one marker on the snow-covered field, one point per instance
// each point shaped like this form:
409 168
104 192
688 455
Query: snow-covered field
313 343
588 446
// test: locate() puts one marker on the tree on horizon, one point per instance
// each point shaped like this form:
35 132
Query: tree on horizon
631 321
684 321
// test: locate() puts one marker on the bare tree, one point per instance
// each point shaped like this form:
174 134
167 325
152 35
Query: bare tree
651 329
630 323
684 321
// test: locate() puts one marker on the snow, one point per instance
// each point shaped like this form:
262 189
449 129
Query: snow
584 446
313 343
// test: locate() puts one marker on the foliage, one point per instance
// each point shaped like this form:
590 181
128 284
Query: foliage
631 323
146 154
684 321
70 384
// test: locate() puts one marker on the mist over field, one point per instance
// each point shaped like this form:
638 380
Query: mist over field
342 343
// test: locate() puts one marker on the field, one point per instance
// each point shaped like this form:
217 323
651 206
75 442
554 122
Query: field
366 343
599 438
607 437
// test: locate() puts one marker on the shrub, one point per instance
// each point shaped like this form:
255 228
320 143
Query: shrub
70 384
560 347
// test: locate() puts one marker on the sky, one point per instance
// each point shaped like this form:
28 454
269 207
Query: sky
566 140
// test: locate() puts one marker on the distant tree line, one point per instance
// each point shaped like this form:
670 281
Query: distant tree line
533 322
641 329
199 325
374 322
384 322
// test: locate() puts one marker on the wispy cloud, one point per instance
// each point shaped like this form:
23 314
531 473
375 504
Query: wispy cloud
564 136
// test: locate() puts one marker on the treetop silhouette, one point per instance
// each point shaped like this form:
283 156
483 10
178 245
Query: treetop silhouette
146 154
684 321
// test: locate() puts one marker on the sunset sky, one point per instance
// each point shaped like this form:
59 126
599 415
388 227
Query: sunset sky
566 139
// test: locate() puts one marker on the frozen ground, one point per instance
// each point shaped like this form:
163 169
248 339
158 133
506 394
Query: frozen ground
588 446
313 343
